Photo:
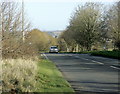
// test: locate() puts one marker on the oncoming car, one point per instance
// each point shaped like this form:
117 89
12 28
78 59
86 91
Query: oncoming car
53 49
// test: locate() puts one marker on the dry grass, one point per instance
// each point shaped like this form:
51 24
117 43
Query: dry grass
18 75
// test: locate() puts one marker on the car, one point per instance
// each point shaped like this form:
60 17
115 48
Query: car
53 49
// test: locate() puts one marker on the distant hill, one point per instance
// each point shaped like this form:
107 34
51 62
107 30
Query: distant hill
54 33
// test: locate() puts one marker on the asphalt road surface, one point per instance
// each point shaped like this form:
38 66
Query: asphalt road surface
88 74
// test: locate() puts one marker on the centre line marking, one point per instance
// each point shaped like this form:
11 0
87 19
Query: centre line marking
115 67
77 56
100 63
86 59
97 62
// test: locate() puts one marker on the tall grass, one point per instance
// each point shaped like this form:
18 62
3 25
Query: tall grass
18 75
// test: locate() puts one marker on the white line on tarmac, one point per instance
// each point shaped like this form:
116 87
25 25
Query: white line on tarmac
89 63
85 59
45 56
89 60
97 62
115 67
77 56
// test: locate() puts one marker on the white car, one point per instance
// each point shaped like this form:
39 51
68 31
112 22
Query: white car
53 49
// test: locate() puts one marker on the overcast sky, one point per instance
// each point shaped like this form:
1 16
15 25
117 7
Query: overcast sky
50 16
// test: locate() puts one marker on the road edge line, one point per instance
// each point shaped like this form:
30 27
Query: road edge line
45 56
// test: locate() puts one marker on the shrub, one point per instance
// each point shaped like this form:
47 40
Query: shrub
111 54
18 75
117 44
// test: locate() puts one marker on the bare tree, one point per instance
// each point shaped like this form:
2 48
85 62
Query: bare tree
113 22
12 27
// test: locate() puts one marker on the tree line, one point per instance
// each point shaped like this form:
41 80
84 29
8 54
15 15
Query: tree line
13 23
92 27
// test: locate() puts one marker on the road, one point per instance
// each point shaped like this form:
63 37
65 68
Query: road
88 74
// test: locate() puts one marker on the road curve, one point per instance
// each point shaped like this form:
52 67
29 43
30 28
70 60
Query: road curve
88 74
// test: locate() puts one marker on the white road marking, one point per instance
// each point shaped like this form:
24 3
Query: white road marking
97 62
45 56
85 59
89 63
77 56
100 63
88 60
115 67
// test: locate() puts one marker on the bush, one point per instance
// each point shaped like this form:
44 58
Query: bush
40 40
14 47
111 54
117 44
18 75
35 41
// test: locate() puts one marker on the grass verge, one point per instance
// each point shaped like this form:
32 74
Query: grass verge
50 79
19 75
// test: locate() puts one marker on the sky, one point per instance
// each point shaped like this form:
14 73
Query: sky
50 16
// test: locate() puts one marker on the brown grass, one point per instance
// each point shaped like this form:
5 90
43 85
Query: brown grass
18 75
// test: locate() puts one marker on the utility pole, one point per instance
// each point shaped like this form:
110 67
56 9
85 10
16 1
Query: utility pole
23 32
